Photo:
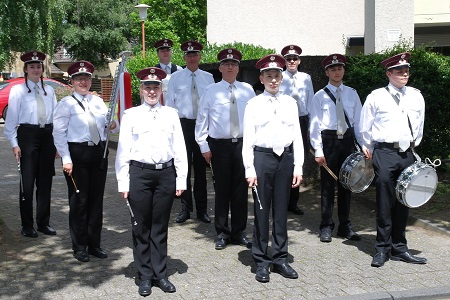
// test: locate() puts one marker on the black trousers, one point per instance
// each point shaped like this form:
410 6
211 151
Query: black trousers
392 216
86 207
295 192
196 160
274 175
231 188
37 167
335 151
151 197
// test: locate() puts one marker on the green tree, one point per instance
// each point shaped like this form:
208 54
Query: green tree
28 25
96 30
178 20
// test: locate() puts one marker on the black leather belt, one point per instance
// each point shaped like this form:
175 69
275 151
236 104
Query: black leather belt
152 166
187 120
331 134
235 140
270 150
392 146
86 144
36 126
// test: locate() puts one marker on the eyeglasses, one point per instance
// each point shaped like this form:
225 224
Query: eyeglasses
85 79
294 58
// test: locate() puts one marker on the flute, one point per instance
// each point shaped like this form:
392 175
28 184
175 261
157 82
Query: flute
131 213
257 196
22 196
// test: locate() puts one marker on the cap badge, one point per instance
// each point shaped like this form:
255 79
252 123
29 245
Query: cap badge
152 70
82 69
291 51
165 44
230 56
190 48
273 64
152 77
272 58
35 57
335 60
82 64
229 50
291 47
165 41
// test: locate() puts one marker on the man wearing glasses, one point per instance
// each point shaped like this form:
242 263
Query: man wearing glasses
186 87
299 86
218 132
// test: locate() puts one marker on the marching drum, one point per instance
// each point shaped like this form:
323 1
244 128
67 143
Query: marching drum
416 184
356 172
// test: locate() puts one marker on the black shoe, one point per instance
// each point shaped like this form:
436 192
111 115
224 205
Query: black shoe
145 288
379 259
29 232
409 258
183 216
81 255
243 241
285 270
165 285
349 235
47 230
204 217
325 235
296 210
221 243
262 274
98 252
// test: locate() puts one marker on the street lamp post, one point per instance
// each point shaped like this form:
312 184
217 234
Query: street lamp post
143 16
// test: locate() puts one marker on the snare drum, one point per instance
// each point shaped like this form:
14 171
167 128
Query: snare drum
416 184
356 172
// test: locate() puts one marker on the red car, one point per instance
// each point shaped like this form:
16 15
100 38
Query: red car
5 88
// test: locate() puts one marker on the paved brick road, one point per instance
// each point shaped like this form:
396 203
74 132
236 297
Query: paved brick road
44 268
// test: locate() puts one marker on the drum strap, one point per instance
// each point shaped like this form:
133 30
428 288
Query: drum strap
398 103
334 100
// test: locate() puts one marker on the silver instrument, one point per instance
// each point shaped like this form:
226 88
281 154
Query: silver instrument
257 196
131 213
356 173
113 100
417 183
22 196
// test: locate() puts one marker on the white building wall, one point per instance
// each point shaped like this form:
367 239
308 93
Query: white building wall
319 27
387 22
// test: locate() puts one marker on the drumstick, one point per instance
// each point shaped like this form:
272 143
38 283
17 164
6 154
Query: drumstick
76 189
326 167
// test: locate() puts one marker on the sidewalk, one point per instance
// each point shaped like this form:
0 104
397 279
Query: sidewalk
43 268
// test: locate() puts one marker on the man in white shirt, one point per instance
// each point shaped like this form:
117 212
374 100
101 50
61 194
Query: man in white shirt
151 168
164 51
273 156
391 124
333 141
218 132
299 86
186 87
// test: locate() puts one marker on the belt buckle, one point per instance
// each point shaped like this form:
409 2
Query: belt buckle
158 166
234 140
90 144
41 125
396 145
340 136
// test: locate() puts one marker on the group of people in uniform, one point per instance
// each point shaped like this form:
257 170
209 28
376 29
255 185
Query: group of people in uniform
186 123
